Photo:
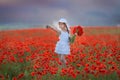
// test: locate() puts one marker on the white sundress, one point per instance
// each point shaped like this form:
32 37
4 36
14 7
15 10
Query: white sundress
62 46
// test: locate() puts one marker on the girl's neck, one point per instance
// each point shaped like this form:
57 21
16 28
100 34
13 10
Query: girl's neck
64 30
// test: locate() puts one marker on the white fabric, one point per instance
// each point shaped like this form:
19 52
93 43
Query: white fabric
62 46
56 25
64 21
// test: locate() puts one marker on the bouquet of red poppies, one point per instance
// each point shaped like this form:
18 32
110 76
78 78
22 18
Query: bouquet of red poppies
77 31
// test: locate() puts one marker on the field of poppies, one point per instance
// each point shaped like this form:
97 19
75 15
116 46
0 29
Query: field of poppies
28 54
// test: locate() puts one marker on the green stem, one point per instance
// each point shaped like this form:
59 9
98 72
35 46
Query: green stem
72 39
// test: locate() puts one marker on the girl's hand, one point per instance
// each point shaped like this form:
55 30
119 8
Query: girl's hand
76 34
47 26
54 29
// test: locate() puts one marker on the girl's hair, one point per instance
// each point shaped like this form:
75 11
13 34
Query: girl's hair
67 30
66 27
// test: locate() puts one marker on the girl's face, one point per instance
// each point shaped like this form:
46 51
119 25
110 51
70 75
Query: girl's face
62 26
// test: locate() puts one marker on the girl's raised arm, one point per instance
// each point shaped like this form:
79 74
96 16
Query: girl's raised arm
54 29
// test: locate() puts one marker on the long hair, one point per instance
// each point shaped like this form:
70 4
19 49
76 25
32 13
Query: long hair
67 31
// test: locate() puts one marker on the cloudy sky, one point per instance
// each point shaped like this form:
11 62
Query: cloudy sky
77 12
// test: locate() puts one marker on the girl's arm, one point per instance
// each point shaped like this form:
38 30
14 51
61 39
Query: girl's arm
54 29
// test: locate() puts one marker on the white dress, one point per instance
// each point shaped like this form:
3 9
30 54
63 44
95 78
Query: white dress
62 46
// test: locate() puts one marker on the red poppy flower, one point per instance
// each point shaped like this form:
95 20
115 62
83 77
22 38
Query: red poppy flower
33 73
14 78
78 30
20 75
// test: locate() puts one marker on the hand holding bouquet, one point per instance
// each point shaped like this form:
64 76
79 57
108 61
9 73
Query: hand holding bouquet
77 31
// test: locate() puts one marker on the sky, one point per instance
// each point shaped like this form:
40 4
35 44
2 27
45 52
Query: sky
43 12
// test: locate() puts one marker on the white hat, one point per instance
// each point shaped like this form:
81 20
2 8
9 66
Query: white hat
63 20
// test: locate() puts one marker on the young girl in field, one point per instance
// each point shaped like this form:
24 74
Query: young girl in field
63 46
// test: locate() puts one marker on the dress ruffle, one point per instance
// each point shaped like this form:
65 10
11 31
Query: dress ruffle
62 46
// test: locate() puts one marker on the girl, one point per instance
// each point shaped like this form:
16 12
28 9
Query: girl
62 47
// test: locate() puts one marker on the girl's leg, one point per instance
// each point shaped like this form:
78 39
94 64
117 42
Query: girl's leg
62 59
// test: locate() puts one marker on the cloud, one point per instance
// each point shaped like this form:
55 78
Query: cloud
84 12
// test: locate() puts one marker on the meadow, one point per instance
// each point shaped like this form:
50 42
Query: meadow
28 54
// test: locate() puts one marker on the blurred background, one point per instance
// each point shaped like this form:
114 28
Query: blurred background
16 14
